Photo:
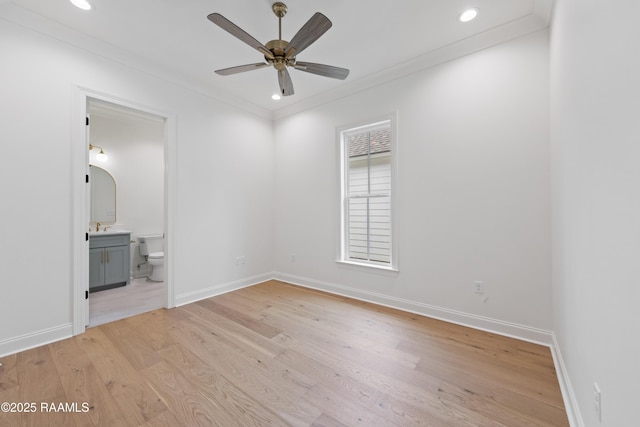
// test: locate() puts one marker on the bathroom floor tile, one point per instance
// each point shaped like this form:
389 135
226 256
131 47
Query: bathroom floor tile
139 296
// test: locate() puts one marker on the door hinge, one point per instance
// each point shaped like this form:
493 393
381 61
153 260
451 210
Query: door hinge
86 237
86 179
86 294
87 122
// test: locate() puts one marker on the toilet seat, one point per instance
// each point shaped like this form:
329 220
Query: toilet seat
156 255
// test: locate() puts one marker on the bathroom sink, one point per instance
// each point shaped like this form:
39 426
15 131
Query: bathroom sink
109 231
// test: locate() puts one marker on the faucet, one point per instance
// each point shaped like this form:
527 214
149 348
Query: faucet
97 227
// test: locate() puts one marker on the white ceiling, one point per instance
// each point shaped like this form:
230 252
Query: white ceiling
377 40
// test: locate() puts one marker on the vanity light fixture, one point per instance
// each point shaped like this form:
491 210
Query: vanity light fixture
101 157
468 15
82 4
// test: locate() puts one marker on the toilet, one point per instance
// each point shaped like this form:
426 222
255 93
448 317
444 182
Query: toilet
152 247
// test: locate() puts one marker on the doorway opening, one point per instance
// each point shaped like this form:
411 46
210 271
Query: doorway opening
113 276
126 146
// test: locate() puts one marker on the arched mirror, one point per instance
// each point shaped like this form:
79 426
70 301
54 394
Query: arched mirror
103 196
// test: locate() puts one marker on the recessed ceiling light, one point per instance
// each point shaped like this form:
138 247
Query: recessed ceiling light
468 15
275 97
82 4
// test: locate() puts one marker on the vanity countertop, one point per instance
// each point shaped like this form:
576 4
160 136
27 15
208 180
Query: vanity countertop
108 232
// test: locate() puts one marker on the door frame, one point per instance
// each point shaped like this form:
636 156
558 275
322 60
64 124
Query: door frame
80 198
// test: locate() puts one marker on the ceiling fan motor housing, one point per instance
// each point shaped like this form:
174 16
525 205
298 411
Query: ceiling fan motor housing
277 47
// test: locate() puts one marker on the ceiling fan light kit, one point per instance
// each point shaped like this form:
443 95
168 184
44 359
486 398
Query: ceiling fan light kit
280 53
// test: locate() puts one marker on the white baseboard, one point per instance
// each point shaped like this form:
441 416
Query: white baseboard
223 288
513 330
35 339
569 397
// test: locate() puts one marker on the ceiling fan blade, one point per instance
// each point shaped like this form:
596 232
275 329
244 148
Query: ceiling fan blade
239 33
310 32
241 69
286 85
322 70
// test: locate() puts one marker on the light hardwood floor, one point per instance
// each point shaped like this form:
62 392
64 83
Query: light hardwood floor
276 354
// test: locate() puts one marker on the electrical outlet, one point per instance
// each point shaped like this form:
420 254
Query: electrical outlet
478 287
597 401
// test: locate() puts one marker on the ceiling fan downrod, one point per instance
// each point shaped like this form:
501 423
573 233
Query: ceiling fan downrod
280 9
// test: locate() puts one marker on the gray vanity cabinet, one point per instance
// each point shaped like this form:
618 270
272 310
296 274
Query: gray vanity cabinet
109 260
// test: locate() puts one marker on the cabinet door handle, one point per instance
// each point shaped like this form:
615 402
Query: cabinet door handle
102 257
107 257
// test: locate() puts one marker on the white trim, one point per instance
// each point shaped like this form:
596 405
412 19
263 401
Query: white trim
222 288
79 191
367 265
79 219
508 329
543 9
28 19
536 20
35 339
524 26
568 395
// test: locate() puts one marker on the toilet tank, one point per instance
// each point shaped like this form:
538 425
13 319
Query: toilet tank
151 243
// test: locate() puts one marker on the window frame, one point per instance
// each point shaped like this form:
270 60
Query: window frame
343 154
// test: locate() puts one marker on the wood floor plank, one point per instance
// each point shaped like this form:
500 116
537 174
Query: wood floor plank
278 354
346 411
8 372
9 419
504 377
346 387
189 405
130 344
231 332
240 318
413 389
272 386
244 410
327 331
153 327
133 397
325 420
164 419
84 385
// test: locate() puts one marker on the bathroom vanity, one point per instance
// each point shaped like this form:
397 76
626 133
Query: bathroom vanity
109 260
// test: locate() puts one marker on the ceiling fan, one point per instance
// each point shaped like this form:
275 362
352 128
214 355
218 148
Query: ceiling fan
280 53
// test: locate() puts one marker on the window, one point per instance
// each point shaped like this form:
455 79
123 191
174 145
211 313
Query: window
367 181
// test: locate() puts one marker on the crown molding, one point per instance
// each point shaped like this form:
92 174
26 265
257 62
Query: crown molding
537 20
17 15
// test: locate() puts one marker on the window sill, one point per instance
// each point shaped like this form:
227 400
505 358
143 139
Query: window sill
367 267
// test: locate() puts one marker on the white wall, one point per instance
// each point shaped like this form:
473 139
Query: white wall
224 182
472 199
135 147
595 130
